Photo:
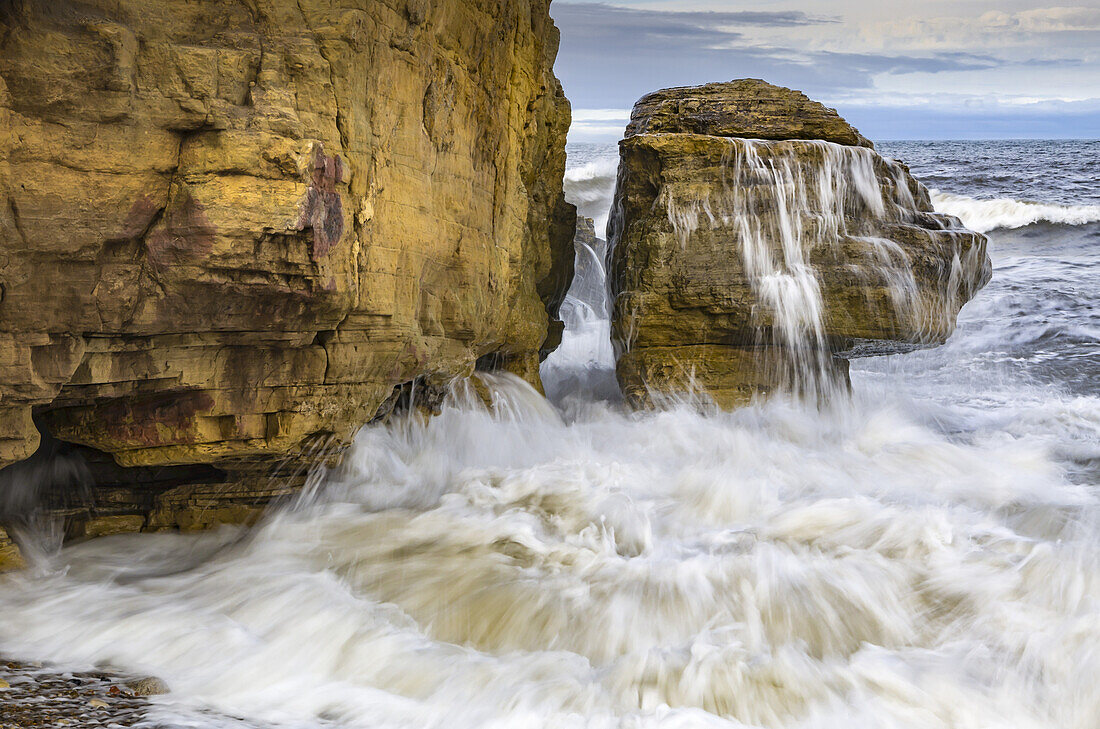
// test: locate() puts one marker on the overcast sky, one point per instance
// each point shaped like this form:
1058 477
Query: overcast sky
896 69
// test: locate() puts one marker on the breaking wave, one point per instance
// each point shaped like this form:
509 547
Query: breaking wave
1003 212
590 186
778 567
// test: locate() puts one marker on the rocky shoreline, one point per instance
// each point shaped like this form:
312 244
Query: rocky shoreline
224 253
34 696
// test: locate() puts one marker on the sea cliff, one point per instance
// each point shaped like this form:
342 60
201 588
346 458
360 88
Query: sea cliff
231 233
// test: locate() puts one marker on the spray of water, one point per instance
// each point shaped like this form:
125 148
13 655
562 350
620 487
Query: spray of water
891 561
507 566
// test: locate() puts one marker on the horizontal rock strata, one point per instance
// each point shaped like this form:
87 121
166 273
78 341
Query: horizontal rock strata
228 231
10 556
747 108
741 266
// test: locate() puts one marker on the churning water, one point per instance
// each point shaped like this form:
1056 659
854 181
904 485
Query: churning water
923 556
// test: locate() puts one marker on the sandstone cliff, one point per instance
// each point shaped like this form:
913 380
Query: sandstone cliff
758 240
229 230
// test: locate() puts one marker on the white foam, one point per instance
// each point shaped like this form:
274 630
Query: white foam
776 205
591 186
601 169
887 562
776 567
986 215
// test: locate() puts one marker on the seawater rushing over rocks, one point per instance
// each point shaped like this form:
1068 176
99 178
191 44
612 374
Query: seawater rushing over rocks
742 267
923 555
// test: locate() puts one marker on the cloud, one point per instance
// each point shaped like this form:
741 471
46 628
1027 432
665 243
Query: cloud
1056 29
598 124
975 118
1048 20
603 12
874 63
856 52
598 115
611 56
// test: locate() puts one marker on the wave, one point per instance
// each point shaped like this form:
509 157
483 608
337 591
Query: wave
591 181
604 168
778 566
591 187
1006 213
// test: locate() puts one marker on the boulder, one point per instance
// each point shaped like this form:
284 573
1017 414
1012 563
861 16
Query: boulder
148 686
228 231
744 263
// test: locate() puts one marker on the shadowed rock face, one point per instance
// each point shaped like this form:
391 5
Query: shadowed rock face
742 266
229 230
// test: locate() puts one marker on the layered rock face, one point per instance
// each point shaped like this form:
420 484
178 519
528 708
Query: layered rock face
747 108
10 556
228 230
744 265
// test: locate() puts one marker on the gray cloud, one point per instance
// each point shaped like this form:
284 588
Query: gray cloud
603 13
611 56
1037 121
872 63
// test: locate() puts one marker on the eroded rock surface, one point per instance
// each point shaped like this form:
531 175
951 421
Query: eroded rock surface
748 108
229 230
10 556
741 266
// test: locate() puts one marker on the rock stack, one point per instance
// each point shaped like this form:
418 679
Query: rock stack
758 240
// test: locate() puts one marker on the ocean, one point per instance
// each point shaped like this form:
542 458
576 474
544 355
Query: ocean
924 554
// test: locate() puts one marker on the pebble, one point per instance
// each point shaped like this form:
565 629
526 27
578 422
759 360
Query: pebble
148 686
37 697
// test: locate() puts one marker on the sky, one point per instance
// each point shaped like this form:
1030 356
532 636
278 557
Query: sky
896 69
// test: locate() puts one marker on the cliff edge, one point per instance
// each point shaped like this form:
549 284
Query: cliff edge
231 231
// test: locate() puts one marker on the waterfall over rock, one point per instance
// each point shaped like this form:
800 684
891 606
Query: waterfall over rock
740 266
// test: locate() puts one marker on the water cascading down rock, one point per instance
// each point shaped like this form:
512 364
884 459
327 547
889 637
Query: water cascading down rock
758 241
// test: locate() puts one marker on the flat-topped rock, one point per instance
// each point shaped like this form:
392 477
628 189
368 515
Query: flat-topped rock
745 263
748 108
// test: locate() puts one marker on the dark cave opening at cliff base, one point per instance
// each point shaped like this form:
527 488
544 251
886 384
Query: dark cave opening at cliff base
67 491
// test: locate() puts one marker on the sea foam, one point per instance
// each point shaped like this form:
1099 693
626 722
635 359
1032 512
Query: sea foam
1003 212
